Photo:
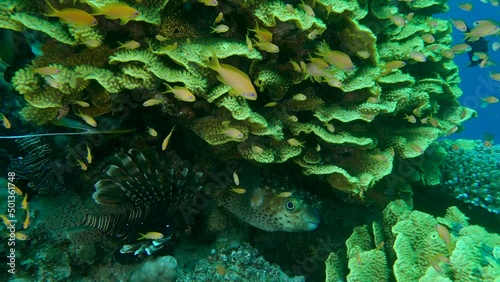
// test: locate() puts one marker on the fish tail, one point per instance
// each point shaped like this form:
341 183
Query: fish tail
169 88
53 12
213 63
96 11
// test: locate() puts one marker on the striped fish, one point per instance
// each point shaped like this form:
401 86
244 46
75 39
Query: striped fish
148 200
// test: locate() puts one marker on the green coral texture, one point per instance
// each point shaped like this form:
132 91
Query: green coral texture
350 133
411 244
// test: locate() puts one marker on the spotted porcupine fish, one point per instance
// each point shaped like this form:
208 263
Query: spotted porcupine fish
272 210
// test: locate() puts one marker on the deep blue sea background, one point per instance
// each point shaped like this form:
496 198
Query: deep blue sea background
476 82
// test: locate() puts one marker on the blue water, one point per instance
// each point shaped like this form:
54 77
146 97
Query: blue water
476 82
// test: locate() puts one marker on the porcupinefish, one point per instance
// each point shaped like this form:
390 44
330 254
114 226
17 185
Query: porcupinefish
261 208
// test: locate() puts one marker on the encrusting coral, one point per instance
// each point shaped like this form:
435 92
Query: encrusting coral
341 91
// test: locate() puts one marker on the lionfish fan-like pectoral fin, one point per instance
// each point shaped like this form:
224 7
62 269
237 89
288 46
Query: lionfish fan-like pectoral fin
127 184
136 174
108 192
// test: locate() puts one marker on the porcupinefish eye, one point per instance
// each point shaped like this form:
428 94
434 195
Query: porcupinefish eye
291 205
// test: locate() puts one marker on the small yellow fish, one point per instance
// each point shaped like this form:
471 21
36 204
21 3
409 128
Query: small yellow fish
466 6
24 204
418 56
339 59
236 178
299 97
82 104
219 18
18 191
410 118
160 37
256 149
212 3
21 236
290 8
309 11
89 155
461 48
445 235
270 104
460 25
51 82
495 76
266 46
239 81
394 65
448 54
47 70
363 54
180 93
330 127
495 46
481 31
5 220
152 102
131 45
490 100
293 118
92 43
398 20
220 28
249 43
294 142
262 34
410 16
171 47
238 190
233 133
26 222
116 11
313 34
167 139
428 38
152 132
88 119
284 195
82 165
5 121
151 236
75 17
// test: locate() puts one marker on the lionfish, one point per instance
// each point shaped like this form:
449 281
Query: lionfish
38 165
149 197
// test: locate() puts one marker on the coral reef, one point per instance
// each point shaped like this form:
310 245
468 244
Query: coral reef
233 260
356 118
419 247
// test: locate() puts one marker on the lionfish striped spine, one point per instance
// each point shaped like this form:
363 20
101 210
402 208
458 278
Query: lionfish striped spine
147 196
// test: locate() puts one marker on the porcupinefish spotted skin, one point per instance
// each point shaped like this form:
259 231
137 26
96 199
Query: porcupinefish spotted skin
145 196
265 209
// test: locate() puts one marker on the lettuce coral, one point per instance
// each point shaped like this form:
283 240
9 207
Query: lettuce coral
352 115
415 248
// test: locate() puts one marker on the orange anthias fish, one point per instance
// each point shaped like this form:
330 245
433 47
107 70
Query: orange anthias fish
114 11
231 76
75 17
